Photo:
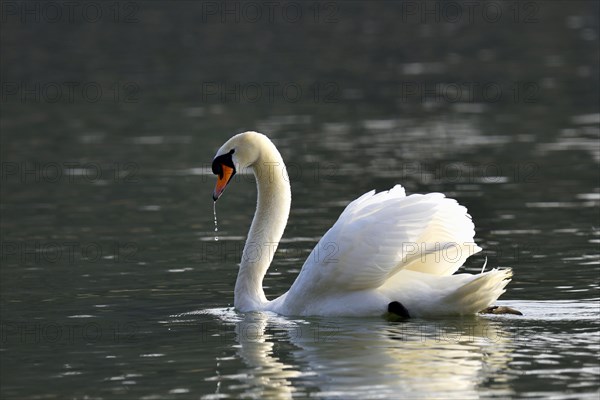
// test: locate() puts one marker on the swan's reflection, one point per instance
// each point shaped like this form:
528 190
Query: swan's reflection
368 358
270 377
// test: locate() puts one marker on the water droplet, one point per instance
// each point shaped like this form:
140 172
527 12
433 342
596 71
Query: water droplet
216 226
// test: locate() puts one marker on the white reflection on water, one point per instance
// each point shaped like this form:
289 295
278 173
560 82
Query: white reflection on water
281 357
366 358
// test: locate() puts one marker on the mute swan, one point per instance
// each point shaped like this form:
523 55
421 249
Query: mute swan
387 252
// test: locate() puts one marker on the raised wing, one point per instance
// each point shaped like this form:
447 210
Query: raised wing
380 234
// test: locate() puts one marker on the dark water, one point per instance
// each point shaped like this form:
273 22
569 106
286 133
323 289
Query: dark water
112 285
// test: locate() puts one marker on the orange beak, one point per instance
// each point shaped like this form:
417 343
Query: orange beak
222 181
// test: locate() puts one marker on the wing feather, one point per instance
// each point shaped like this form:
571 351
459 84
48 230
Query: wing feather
378 235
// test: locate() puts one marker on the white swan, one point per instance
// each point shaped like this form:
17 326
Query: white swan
387 252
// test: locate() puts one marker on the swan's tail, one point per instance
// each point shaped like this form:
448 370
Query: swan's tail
479 293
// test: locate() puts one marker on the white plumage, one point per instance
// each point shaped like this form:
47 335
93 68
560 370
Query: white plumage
385 247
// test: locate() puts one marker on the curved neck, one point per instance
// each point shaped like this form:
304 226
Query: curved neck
270 219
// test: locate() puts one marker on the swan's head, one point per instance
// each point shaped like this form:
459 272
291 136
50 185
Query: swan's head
238 153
